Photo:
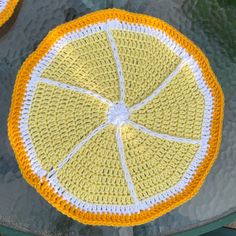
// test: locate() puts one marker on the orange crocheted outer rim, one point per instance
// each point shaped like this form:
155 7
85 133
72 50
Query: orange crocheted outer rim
44 188
8 11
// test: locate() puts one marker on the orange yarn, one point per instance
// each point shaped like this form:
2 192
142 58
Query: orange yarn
8 11
43 186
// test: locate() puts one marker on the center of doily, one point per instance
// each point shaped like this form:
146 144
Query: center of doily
118 114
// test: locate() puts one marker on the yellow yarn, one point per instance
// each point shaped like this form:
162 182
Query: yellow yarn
94 174
151 173
146 62
87 63
178 110
62 118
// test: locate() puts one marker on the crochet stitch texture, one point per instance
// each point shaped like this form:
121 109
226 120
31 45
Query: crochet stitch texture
116 118
7 8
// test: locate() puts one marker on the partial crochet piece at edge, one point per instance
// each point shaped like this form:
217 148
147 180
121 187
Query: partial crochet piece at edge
7 8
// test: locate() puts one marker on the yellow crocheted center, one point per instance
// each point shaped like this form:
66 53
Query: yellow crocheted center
59 118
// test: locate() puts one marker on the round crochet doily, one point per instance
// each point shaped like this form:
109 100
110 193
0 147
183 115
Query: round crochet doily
116 118
6 10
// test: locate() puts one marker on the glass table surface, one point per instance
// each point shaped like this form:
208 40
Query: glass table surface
210 24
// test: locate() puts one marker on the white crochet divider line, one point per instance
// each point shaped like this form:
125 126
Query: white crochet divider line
118 127
72 88
160 88
24 129
162 136
147 203
3 4
125 168
79 34
76 149
117 60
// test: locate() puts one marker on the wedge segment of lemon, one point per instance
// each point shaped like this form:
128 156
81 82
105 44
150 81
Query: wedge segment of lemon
116 118
95 174
58 119
143 56
178 109
88 63
151 173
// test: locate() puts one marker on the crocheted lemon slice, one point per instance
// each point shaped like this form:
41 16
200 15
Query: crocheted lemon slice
116 118
6 9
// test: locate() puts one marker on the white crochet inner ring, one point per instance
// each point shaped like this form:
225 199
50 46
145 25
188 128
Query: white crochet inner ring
118 114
